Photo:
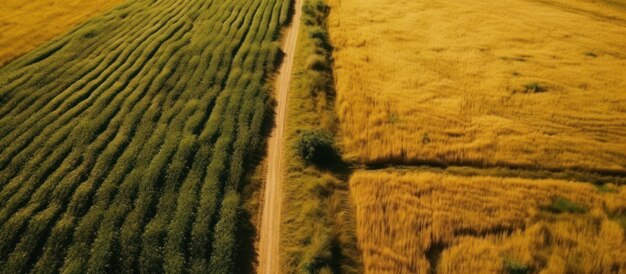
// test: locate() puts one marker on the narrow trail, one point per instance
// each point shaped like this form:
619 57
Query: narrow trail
269 262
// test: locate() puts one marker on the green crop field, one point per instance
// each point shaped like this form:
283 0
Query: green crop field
125 143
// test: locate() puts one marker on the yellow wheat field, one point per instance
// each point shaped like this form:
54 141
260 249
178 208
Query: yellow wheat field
525 83
26 24
407 222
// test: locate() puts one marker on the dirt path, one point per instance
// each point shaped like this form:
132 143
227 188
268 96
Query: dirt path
269 262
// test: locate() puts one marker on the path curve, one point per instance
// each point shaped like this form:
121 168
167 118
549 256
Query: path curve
269 262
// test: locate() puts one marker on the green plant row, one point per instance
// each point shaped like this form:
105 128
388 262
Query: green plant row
124 143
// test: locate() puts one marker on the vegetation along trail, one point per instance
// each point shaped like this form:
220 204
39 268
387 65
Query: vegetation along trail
270 223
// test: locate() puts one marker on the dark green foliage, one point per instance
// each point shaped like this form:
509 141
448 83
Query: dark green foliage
315 12
318 63
562 205
314 17
606 188
320 37
534 87
124 143
316 146
224 246
514 267
591 54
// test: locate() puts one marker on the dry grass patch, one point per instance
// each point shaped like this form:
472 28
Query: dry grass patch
518 83
24 24
412 222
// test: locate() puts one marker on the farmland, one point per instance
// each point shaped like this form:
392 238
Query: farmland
25 25
518 83
125 143
482 136
414 222
409 136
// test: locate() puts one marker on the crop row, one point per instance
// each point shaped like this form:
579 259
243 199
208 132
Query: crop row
124 143
424 222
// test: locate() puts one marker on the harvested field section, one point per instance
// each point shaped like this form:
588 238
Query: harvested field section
125 143
518 83
25 24
414 222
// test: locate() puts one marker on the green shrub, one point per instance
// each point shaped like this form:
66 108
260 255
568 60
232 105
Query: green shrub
562 205
514 267
534 87
320 36
316 147
606 187
315 12
591 54
317 62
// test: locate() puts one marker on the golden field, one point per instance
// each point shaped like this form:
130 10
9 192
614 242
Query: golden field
408 222
520 83
24 24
